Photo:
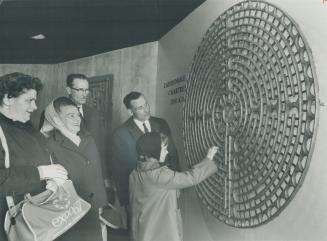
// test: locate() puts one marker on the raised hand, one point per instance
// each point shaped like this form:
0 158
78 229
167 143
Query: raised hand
212 152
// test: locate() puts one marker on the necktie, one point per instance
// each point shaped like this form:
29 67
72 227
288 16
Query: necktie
146 130
79 110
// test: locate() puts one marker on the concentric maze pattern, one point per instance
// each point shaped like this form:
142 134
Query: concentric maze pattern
251 91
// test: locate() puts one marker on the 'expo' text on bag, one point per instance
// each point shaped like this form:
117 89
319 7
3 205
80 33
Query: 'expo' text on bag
62 219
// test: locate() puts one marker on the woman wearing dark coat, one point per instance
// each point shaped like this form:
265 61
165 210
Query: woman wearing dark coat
79 155
29 160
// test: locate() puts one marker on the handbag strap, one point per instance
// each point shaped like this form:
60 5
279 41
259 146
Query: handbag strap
10 199
5 147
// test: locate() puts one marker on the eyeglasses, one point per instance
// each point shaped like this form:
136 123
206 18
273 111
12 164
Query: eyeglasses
143 107
81 91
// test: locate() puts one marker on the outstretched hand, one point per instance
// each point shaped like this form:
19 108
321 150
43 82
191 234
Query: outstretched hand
212 152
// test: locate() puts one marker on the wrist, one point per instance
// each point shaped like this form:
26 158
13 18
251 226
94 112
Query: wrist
209 157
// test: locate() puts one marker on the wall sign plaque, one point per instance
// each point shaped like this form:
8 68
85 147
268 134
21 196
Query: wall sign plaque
252 91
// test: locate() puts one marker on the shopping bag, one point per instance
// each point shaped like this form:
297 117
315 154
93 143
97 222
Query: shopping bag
45 216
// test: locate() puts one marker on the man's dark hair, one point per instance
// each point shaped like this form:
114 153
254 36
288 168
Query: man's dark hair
129 97
62 101
15 84
70 79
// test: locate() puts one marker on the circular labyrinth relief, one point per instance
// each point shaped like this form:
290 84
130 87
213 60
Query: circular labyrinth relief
251 91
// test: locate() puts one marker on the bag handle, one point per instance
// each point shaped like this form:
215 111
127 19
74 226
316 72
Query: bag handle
10 199
38 203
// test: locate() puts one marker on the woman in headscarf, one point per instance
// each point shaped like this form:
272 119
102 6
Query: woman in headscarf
76 150
154 190
29 162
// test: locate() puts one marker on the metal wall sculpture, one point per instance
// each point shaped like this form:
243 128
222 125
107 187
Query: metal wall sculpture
252 91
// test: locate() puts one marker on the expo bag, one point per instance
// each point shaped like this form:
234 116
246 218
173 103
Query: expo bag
45 216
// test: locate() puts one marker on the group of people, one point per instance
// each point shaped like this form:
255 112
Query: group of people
144 159
63 149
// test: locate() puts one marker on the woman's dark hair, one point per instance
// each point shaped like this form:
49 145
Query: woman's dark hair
149 145
62 101
129 97
15 84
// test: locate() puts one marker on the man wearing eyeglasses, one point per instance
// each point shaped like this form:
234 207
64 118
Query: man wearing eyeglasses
77 87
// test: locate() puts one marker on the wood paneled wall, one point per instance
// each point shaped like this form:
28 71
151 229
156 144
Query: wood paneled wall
133 68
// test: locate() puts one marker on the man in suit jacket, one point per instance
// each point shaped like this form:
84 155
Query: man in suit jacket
125 158
77 87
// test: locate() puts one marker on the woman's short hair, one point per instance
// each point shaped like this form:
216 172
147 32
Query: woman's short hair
149 145
62 101
15 84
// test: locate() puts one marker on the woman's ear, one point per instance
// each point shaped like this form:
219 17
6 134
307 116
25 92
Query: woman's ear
6 100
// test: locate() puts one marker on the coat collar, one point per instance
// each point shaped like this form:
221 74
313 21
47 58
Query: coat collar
65 142
19 124
148 165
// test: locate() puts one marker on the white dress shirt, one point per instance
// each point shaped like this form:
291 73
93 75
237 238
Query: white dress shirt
140 124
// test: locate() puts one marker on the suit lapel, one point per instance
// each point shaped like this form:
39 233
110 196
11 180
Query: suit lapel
133 129
155 127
